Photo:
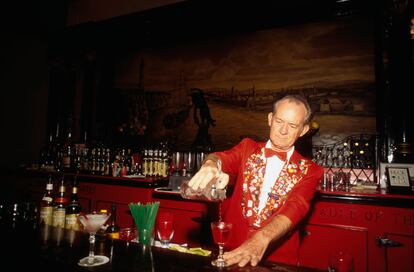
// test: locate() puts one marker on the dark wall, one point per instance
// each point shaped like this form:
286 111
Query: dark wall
24 73
24 95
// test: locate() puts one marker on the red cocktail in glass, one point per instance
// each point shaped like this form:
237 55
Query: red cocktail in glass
221 232
128 234
165 228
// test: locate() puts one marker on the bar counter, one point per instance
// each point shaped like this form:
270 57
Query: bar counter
374 225
28 247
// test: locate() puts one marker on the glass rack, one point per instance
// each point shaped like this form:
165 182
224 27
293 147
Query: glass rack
349 161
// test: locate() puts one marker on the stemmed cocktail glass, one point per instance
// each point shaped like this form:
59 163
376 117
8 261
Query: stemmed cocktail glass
92 222
221 233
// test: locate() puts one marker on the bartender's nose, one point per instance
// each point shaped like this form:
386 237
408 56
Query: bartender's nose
283 129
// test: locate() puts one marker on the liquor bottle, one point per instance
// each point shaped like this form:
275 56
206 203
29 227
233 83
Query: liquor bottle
73 209
129 162
145 163
85 160
107 166
59 210
156 163
101 233
67 152
57 150
15 216
164 164
46 204
123 163
77 159
46 159
98 161
209 193
92 161
112 231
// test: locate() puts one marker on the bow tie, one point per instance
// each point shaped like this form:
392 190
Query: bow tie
270 153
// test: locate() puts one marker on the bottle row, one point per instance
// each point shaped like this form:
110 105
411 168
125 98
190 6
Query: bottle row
155 162
101 160
58 210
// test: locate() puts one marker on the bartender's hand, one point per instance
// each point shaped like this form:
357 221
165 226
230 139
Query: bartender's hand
206 174
251 250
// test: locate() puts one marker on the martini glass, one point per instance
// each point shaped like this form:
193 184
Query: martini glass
221 233
92 222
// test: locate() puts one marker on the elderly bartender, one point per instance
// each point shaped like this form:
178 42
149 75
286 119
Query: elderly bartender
273 187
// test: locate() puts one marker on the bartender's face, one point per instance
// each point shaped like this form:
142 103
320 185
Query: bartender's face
287 124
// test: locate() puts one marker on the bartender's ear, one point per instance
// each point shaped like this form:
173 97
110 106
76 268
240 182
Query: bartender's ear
304 130
269 118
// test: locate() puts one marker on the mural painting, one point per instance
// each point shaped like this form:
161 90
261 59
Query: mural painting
215 91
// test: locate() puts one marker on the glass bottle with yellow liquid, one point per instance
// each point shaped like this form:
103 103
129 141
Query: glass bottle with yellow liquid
46 204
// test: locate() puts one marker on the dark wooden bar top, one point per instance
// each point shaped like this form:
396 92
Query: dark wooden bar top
28 247
366 221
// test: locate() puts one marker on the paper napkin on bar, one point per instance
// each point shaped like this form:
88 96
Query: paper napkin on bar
194 250
183 248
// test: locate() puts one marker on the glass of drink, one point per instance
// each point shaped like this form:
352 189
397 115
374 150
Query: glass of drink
177 158
128 234
92 222
165 228
221 233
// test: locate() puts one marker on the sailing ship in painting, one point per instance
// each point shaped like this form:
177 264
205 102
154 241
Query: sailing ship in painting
350 99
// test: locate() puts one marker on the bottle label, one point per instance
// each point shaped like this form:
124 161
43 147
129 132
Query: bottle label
72 221
66 161
47 199
59 218
46 215
61 200
113 235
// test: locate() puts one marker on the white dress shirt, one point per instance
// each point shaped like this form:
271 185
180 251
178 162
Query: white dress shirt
273 167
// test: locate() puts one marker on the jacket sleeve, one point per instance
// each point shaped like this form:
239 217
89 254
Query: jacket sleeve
233 158
299 198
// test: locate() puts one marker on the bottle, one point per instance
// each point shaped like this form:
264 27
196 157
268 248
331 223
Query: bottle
112 231
59 210
73 209
123 163
46 204
107 163
101 233
47 160
164 164
68 150
209 193
15 216
145 163
57 150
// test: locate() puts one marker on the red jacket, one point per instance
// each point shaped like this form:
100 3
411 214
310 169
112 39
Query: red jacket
295 207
